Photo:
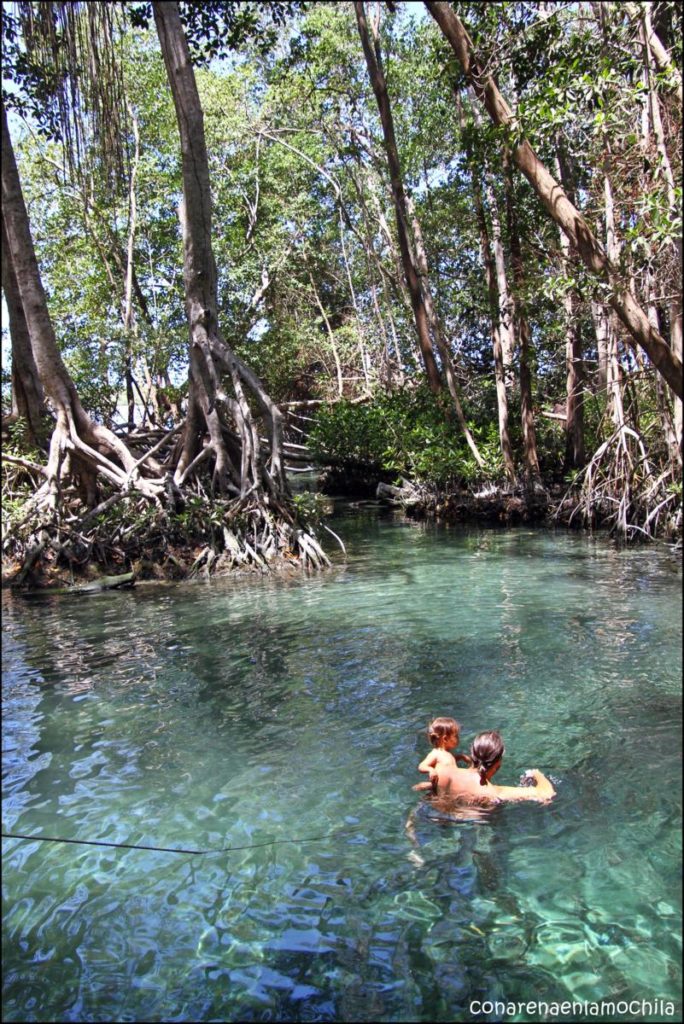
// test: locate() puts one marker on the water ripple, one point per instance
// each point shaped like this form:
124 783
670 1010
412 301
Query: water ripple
289 717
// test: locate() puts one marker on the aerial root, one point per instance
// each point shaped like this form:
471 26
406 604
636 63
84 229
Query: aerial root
619 489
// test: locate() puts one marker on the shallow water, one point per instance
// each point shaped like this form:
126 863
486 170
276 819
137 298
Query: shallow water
284 719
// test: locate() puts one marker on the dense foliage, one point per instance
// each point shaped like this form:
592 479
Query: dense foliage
311 289
404 434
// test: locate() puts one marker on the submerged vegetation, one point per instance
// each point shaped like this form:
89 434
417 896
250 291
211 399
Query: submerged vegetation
439 252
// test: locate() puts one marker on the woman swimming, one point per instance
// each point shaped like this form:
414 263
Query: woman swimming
473 784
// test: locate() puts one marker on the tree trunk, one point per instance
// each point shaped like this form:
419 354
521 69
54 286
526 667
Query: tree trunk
128 314
575 454
331 336
364 355
600 316
210 356
557 204
641 13
91 443
650 43
522 330
505 318
28 401
613 369
396 285
377 77
374 262
668 421
438 334
495 312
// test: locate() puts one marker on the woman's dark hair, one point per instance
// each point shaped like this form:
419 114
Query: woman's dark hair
485 750
440 728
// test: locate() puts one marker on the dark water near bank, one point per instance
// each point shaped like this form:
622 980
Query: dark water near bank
265 715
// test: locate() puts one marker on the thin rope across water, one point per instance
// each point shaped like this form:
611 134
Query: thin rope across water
167 849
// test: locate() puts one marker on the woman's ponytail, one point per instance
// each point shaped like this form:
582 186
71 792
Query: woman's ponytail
486 750
481 768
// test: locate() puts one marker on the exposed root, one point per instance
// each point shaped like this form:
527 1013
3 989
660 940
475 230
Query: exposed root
151 524
619 489
338 539
507 505
206 537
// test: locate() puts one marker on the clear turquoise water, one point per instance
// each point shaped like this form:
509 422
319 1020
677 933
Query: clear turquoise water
273 712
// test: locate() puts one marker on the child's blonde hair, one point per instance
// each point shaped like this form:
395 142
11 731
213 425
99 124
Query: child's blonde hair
440 729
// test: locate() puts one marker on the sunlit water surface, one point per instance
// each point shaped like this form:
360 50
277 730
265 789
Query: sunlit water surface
285 719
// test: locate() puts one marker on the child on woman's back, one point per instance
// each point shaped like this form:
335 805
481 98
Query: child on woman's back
444 735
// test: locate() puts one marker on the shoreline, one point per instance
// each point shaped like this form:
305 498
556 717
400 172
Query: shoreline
177 563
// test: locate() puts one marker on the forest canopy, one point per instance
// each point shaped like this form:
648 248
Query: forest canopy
437 243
